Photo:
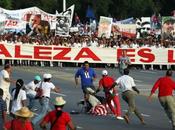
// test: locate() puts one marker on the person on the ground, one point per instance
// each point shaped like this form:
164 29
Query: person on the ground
31 92
123 61
127 85
57 118
47 86
87 75
19 98
166 85
5 81
3 110
106 82
21 122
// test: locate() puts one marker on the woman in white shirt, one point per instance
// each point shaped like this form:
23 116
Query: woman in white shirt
18 97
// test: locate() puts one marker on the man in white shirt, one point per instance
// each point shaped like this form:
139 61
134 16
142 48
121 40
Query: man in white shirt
47 86
5 83
127 85
30 91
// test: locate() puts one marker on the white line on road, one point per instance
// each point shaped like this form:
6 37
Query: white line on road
139 81
79 127
60 94
151 72
145 115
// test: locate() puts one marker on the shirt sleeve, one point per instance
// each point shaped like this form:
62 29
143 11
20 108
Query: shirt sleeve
132 82
67 117
117 81
29 126
156 85
5 74
52 86
46 118
23 97
94 74
77 74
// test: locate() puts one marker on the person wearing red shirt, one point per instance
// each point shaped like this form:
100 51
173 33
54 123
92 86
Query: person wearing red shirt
58 119
106 82
166 85
21 122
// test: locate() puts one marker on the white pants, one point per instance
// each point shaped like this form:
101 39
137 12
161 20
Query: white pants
6 98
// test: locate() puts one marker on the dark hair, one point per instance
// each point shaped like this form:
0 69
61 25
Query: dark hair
1 92
126 71
86 62
19 85
169 72
7 66
59 111
47 80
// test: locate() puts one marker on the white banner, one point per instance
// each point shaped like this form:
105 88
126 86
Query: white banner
93 55
105 26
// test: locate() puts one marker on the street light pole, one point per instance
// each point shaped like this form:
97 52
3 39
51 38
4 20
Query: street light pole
64 5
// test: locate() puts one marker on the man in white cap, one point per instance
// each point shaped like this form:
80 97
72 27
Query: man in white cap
47 86
106 82
30 91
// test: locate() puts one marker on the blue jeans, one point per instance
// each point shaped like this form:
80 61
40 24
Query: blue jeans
44 102
32 101
1 123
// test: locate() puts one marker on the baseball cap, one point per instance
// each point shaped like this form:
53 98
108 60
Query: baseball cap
38 78
47 76
104 72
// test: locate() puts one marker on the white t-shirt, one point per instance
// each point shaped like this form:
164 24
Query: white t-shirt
46 87
125 82
17 104
30 88
4 84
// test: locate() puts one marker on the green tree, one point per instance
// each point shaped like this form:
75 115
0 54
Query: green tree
7 4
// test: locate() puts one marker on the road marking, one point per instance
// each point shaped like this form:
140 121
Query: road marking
60 94
138 80
151 72
145 115
79 127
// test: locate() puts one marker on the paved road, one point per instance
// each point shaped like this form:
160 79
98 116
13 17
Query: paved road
64 77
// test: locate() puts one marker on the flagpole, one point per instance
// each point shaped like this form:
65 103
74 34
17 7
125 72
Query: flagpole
64 5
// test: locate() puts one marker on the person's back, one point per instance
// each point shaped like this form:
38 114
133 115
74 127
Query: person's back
16 124
166 86
61 122
107 82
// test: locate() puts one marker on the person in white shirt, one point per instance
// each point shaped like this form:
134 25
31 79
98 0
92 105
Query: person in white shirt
127 85
5 83
47 86
18 97
31 93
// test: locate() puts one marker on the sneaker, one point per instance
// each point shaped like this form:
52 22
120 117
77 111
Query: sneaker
119 118
126 119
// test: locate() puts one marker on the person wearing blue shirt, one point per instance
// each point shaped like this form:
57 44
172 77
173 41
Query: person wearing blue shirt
87 76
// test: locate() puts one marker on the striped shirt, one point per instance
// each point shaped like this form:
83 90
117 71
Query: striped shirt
3 107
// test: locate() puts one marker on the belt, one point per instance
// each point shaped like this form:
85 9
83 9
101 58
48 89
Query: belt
45 97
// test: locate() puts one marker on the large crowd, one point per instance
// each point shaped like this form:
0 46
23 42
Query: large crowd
76 40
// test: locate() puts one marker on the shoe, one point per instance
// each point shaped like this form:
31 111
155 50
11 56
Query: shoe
119 118
126 119
142 122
